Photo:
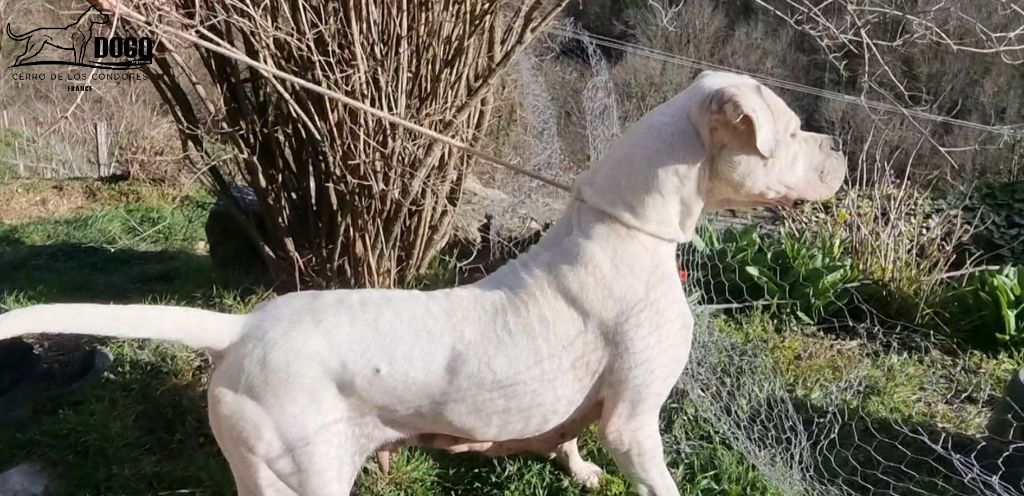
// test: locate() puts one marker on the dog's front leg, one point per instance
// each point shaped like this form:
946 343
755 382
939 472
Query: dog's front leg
80 43
634 441
583 472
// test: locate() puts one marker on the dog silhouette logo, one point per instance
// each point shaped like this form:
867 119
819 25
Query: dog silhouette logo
86 49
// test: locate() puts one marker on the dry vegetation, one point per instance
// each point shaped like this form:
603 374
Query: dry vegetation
555 110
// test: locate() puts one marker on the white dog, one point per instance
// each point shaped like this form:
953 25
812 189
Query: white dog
590 325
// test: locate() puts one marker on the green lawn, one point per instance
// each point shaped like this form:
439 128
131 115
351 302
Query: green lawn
142 429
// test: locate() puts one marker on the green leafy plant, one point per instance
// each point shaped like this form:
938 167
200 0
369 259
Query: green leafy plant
901 243
800 273
997 210
989 308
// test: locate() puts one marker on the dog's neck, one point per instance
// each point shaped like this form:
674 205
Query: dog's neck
616 251
650 178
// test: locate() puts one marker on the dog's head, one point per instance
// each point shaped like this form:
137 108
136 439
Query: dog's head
725 142
95 16
756 152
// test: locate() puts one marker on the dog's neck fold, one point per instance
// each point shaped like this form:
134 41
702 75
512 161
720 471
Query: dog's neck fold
649 179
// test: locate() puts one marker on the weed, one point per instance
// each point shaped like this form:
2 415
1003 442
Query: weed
898 242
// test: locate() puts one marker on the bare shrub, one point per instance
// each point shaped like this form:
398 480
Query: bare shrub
957 61
897 239
644 83
348 200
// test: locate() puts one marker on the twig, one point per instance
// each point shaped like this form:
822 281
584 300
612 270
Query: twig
965 272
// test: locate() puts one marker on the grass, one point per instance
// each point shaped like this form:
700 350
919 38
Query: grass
142 429
877 416
926 386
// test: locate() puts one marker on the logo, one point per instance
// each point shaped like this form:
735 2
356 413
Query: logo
76 45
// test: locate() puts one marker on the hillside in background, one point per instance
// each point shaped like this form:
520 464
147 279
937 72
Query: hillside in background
745 35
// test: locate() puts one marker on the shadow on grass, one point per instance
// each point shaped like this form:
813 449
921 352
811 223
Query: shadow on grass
64 272
141 429
881 455
870 454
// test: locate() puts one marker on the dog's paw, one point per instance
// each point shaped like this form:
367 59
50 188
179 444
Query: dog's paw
587 475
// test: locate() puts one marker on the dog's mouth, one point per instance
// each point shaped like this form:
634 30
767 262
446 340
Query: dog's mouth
786 203
790 203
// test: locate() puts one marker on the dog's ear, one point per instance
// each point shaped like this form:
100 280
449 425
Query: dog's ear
744 113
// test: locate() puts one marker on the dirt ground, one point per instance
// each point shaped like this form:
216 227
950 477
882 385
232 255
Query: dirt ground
23 200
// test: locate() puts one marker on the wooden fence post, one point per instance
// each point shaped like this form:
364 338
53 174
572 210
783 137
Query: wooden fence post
102 166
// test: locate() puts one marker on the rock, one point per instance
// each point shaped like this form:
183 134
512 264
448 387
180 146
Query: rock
27 479
230 248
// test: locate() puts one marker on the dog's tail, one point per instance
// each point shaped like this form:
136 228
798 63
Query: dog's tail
196 328
15 36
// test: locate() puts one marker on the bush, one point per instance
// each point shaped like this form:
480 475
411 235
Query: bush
348 199
814 275
900 241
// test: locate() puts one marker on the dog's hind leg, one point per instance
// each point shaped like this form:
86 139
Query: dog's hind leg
80 43
329 466
32 48
248 438
253 477
290 447
80 51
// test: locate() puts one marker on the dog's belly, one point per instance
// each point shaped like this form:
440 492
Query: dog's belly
502 402
517 386
521 413
543 444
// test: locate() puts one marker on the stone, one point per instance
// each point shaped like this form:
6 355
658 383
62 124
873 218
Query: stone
506 216
230 248
27 479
